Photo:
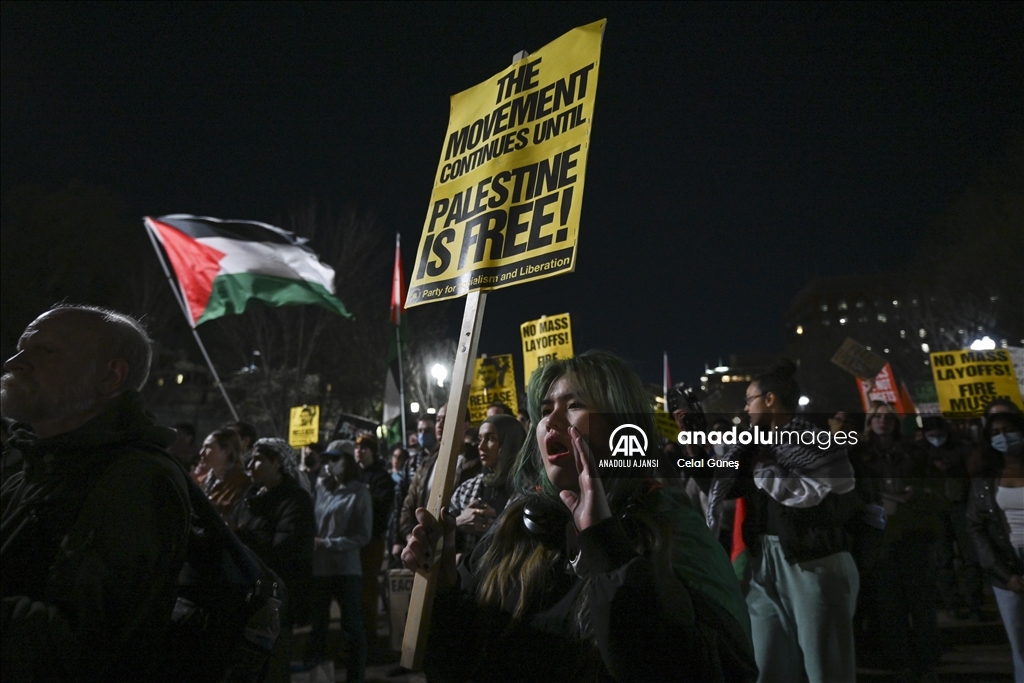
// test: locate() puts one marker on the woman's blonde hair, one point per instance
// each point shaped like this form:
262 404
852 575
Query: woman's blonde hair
229 440
872 411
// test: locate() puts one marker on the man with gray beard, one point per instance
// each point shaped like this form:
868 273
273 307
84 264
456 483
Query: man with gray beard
94 527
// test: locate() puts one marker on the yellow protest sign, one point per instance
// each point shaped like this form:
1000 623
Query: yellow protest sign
303 426
967 381
546 339
505 207
494 381
666 425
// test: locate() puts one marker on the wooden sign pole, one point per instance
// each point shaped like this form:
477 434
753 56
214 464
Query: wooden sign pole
421 601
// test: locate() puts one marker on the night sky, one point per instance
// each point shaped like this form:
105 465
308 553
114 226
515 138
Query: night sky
737 149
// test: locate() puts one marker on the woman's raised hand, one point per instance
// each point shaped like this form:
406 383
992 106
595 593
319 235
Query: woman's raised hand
590 505
421 552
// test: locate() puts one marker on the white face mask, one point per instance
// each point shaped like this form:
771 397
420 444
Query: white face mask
719 449
936 441
1010 443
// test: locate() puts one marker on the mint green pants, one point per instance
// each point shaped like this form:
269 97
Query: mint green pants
801 616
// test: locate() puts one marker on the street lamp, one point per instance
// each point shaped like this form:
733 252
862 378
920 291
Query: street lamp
439 372
986 343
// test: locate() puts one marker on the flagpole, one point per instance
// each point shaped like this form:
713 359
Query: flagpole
179 297
398 348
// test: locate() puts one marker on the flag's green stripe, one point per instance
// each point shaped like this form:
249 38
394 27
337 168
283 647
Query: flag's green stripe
232 293
739 565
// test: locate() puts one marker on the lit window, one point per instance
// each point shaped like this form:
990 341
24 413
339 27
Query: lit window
160 382
895 303
993 298
842 306
921 333
180 379
925 348
885 350
881 317
799 329
903 334
860 304
868 348
862 319
824 308
826 322
842 321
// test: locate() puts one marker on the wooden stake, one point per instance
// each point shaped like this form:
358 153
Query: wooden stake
421 602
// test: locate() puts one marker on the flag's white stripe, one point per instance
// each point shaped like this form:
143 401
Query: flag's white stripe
281 260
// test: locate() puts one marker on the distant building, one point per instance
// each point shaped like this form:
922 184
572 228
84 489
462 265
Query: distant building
891 314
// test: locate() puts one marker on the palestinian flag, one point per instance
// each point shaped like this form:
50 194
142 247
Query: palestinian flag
222 265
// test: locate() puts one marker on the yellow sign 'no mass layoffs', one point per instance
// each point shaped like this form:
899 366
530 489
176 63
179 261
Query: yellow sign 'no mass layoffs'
545 340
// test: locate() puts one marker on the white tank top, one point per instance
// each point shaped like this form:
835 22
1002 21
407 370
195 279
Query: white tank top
1011 502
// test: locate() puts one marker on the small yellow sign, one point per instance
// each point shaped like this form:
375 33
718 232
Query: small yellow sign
967 381
544 340
666 425
494 381
303 426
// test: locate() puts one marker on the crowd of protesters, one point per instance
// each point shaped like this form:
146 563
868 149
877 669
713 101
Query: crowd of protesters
800 563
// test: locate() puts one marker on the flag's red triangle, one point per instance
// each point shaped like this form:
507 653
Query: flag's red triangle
195 264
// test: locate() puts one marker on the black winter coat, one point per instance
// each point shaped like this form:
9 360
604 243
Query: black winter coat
94 537
382 494
279 527
987 526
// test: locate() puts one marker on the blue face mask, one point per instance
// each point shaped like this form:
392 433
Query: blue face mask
426 440
1008 442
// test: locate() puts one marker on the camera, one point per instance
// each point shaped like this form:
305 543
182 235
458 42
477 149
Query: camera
684 397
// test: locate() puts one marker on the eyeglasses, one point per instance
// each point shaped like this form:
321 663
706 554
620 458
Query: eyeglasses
748 399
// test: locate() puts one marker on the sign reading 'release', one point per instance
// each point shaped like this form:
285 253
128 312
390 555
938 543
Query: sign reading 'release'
303 426
506 202
494 381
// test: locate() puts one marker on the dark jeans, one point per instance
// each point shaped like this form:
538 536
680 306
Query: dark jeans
958 586
904 600
346 590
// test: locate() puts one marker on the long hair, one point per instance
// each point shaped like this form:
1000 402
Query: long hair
518 561
229 441
869 434
510 441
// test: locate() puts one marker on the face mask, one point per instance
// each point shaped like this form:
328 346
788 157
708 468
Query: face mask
719 449
335 468
1008 442
426 440
936 441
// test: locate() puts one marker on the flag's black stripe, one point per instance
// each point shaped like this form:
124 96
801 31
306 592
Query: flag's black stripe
197 228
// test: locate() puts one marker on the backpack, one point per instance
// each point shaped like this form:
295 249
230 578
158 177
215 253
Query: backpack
226 619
